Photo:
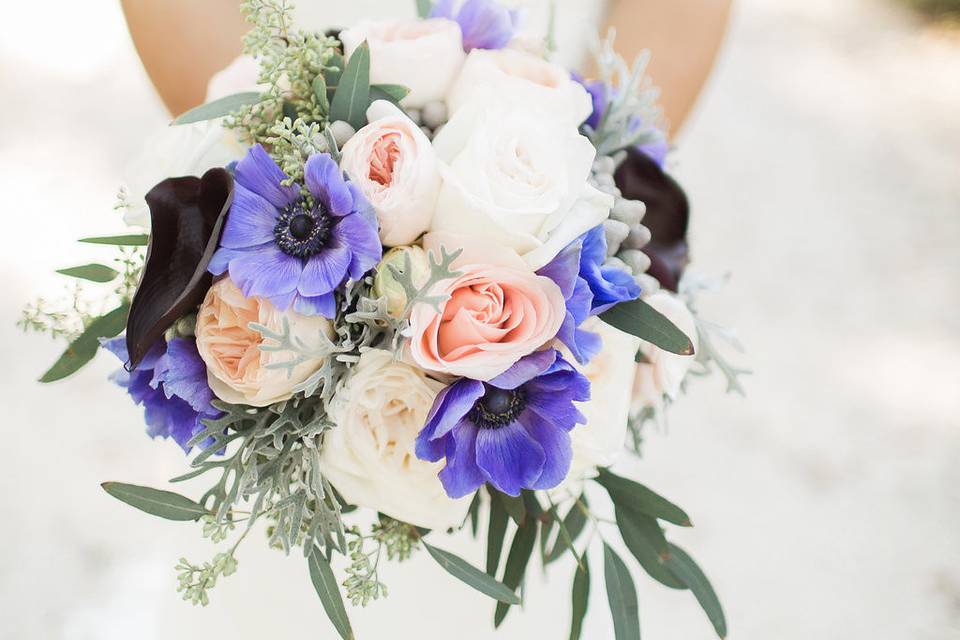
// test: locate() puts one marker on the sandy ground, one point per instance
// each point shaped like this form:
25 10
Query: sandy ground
824 164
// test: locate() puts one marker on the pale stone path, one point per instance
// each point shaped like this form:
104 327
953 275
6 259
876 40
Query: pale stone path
824 164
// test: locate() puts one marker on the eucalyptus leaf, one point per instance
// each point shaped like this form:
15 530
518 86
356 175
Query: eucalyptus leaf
474 514
352 97
628 494
163 504
496 531
645 540
329 591
133 240
218 108
570 528
622 596
514 506
580 598
683 566
521 549
471 576
92 272
84 347
424 7
391 92
638 318
320 92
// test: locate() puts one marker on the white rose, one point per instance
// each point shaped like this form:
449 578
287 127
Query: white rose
663 372
393 163
519 78
370 455
517 177
600 441
423 55
177 150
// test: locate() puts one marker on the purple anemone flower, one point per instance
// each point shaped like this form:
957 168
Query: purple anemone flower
513 431
609 285
485 24
564 270
293 250
171 385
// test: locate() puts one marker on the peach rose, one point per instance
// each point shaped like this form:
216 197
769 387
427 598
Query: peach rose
237 369
393 163
423 55
498 311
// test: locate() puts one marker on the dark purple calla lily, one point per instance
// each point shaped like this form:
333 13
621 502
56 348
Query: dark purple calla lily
667 217
186 218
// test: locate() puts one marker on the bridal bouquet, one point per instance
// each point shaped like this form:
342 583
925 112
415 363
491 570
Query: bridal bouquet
414 276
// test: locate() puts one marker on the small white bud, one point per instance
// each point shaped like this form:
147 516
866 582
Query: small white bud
342 131
385 285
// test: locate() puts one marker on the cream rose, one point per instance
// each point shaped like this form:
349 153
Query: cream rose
237 370
663 372
517 178
423 55
180 150
393 163
520 78
369 456
600 441
498 311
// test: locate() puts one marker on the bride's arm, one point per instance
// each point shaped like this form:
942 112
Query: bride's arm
182 43
683 36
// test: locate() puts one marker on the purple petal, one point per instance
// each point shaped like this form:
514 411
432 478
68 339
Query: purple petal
525 370
220 262
485 24
556 447
444 9
361 237
325 305
324 272
183 374
258 172
451 405
250 222
565 268
266 272
510 459
325 181
461 476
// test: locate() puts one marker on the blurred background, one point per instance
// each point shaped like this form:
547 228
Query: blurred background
823 162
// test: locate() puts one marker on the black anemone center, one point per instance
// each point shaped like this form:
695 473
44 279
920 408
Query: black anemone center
498 407
301 231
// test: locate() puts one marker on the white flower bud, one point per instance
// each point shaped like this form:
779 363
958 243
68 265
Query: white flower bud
385 284
342 131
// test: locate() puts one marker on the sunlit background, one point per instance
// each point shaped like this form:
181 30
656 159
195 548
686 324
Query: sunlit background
823 163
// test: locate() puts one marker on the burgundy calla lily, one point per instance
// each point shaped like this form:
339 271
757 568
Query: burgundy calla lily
667 217
186 219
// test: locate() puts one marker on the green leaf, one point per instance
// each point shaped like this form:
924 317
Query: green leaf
622 596
580 598
636 497
495 533
570 528
163 504
640 319
390 92
352 97
474 514
514 506
524 540
686 570
218 108
329 591
333 73
471 576
644 538
84 348
91 272
424 7
134 240
320 92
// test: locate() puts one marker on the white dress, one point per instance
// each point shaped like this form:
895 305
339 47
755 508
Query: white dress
577 21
